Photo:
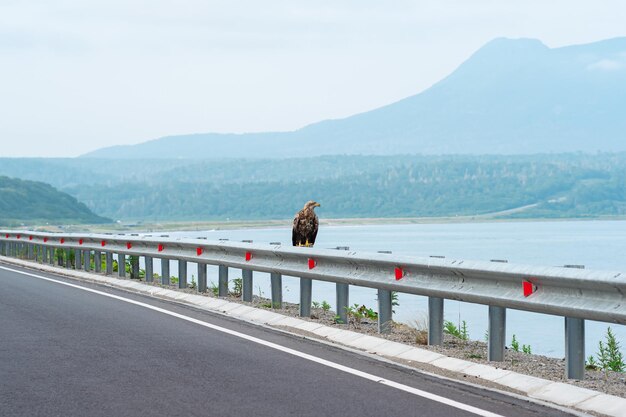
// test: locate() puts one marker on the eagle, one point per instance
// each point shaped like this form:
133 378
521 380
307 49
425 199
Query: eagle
305 225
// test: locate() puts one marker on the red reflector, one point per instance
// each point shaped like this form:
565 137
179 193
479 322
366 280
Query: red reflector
7 236
103 243
45 239
199 251
399 273
312 263
62 241
80 241
30 238
248 256
129 245
19 236
528 288
160 247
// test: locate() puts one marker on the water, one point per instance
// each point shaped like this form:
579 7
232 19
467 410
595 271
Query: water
595 244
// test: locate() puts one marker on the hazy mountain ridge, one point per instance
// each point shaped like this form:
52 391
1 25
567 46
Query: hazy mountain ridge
510 97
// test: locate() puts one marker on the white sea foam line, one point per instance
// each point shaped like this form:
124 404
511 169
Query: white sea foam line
278 347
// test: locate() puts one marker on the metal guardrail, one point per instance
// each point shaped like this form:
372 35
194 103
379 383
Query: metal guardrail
573 293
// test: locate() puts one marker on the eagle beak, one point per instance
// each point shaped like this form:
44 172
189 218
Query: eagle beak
318 205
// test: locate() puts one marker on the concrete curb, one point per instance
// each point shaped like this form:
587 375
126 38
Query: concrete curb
544 390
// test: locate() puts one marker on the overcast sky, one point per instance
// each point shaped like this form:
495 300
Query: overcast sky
77 75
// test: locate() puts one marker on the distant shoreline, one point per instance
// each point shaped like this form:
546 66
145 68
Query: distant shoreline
286 223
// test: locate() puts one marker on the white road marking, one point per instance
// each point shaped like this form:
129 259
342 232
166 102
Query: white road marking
284 349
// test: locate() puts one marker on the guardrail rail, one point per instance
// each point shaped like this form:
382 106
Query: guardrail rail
575 294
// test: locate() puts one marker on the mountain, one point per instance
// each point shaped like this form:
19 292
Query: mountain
29 202
512 96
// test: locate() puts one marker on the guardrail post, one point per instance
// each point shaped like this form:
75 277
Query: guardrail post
121 265
149 268
53 253
277 290
246 285
574 348
78 259
435 321
44 254
61 257
306 287
385 311
497 334
165 271
222 281
87 260
97 260
182 274
343 298
134 266
201 277
68 262
30 251
108 261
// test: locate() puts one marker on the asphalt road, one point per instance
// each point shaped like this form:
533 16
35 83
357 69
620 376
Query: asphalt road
69 352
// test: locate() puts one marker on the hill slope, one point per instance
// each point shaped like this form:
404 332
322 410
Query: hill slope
546 186
510 97
36 202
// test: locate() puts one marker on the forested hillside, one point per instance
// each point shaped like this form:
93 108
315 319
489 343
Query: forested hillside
28 202
558 186
563 185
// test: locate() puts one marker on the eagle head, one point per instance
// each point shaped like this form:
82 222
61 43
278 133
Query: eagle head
310 205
